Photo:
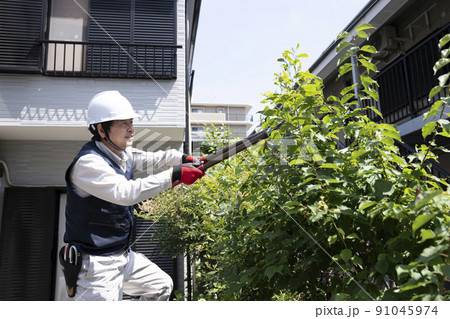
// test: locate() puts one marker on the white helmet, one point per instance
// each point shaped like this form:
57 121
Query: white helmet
109 106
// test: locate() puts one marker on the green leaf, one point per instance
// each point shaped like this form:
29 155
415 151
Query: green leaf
446 100
330 165
342 35
342 45
345 68
346 254
443 79
372 93
364 26
424 198
421 220
362 35
445 53
347 97
434 91
382 186
344 57
402 271
317 158
347 89
393 134
444 40
353 236
426 234
369 49
446 271
376 111
428 129
440 64
434 110
357 260
381 266
365 205
368 65
293 203
388 127
430 253
332 239
353 49
272 270
269 112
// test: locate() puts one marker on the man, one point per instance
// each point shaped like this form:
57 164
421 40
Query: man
101 192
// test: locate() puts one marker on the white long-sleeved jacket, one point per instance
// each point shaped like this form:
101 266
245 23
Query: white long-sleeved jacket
91 175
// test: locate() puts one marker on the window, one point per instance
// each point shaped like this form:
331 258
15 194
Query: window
197 110
146 32
198 129
22 28
96 38
220 110
68 22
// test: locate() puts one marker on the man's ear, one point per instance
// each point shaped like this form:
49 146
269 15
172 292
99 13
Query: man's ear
100 130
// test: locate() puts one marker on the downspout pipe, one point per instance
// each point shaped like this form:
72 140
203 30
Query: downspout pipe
190 36
355 76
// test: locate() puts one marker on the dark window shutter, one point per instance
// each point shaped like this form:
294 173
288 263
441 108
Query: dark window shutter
143 230
155 22
28 244
21 27
110 22
114 17
138 32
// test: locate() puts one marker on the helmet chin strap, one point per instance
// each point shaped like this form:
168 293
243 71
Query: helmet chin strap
106 138
114 145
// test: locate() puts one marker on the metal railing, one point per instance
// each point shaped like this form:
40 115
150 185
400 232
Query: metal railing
108 59
405 84
435 169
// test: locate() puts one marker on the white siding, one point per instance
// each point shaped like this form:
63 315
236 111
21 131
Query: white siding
34 99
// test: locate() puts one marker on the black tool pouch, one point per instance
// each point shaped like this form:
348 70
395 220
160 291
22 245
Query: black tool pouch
70 271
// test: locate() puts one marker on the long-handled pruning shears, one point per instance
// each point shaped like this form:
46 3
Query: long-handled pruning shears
223 154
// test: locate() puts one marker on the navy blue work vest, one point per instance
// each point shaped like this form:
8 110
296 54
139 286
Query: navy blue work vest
93 225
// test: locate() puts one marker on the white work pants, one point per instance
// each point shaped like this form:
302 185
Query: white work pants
108 277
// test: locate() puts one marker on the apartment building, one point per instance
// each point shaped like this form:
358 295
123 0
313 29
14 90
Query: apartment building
406 37
54 56
235 117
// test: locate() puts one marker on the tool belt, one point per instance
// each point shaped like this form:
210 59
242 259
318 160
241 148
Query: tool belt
70 260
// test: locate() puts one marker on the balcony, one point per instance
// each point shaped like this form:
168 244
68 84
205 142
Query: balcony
108 59
406 83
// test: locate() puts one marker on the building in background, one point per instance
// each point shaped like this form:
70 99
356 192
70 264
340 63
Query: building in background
406 37
235 117
54 57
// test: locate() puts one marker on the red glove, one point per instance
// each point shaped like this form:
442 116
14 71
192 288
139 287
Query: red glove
186 174
189 159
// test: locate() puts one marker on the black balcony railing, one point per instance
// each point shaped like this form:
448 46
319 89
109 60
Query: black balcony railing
405 84
101 59
435 169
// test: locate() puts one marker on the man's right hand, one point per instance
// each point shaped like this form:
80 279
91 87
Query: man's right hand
186 174
197 162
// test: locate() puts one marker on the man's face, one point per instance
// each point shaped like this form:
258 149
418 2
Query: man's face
121 133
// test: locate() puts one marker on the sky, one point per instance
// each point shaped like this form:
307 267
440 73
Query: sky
239 41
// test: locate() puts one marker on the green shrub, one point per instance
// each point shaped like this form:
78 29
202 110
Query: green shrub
300 217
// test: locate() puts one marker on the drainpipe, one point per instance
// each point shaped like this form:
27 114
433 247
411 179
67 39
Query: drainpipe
355 76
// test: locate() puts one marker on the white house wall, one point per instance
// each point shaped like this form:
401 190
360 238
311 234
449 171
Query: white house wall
60 101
